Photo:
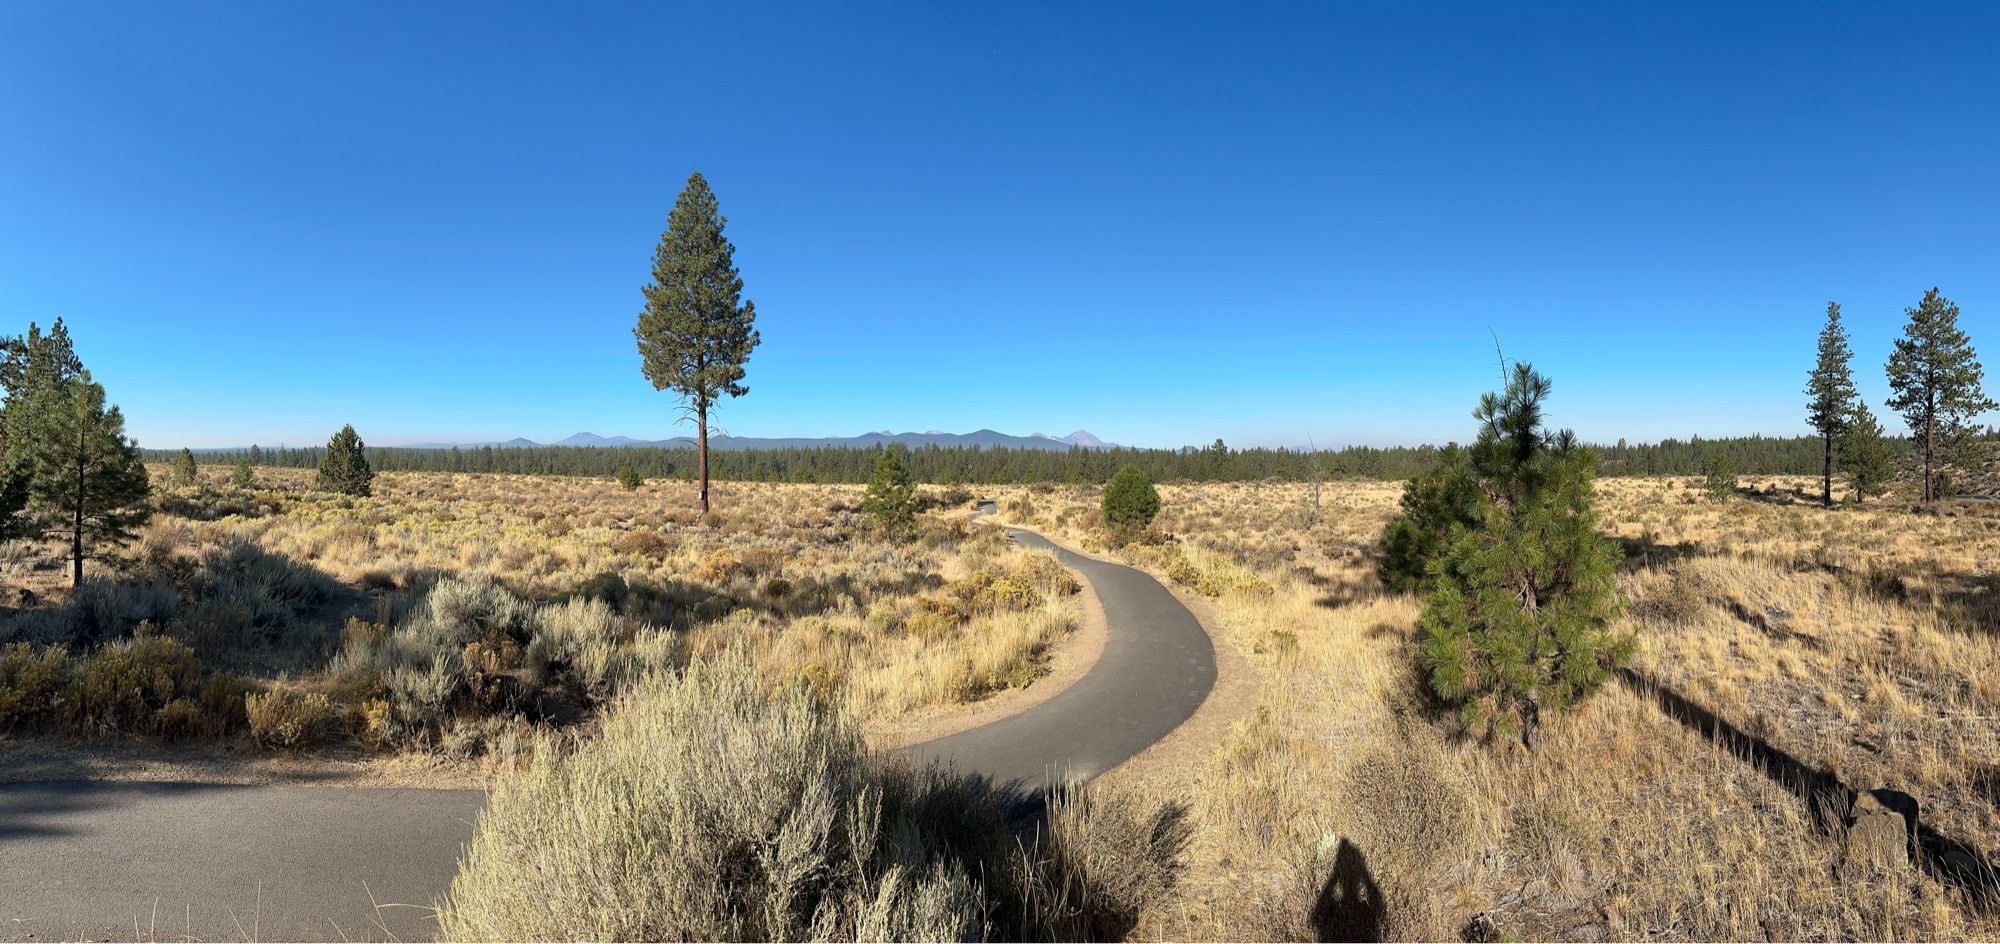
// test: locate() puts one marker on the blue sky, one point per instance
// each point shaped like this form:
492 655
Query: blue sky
1160 222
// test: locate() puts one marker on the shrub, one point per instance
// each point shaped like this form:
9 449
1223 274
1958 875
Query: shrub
1130 502
642 542
464 609
125 683
1106 855
628 476
713 807
33 681
288 718
710 809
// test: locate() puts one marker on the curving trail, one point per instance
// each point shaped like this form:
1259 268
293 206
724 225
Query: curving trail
1157 668
97 860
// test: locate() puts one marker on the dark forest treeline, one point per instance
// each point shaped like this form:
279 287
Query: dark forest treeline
1756 455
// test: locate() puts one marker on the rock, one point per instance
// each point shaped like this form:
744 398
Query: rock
1879 828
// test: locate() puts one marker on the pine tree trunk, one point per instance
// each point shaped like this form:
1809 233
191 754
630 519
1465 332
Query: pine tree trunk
76 535
701 423
1930 445
1826 478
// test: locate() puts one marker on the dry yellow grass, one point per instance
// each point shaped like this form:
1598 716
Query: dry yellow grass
1860 642
791 574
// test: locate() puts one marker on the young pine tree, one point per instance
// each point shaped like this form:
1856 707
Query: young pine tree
1130 502
891 499
1934 380
185 469
89 482
628 476
243 476
1864 455
1520 603
696 332
343 468
1831 389
1720 477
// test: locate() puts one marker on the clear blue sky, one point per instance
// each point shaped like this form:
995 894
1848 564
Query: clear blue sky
1163 223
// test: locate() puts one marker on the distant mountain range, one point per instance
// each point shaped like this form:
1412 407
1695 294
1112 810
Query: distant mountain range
984 438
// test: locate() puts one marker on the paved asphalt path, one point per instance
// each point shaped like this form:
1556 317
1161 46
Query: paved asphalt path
96 860
1156 669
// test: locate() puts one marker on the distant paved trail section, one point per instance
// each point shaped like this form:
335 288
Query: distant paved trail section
97 860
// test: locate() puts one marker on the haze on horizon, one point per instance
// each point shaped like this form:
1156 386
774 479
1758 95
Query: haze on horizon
1164 226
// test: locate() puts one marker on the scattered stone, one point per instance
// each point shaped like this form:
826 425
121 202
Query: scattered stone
1481 930
1879 828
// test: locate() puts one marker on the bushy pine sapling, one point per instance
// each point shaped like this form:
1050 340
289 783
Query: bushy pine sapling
1521 598
242 476
1720 478
891 499
1865 456
1130 502
343 468
185 470
628 476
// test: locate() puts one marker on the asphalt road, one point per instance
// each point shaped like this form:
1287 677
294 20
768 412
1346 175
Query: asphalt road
95 860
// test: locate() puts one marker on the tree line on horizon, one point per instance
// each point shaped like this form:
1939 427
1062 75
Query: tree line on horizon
1000 465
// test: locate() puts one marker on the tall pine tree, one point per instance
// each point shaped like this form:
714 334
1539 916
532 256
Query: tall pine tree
1520 604
343 468
89 481
1831 389
696 332
1934 380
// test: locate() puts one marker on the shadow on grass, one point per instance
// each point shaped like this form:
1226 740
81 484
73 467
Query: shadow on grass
1349 906
1765 624
1827 799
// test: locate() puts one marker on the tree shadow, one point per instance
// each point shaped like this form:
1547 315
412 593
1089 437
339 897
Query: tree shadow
1763 623
1828 800
1644 552
1349 906
1773 495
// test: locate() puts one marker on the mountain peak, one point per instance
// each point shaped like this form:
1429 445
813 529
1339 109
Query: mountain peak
1082 437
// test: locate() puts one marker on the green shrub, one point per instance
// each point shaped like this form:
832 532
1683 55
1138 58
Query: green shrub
1130 502
125 683
628 476
33 683
289 718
